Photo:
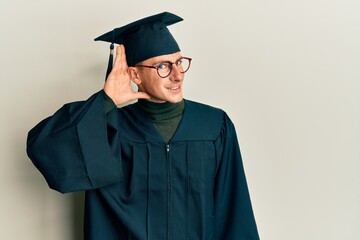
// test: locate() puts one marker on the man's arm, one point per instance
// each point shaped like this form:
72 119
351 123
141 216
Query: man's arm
234 218
76 148
73 149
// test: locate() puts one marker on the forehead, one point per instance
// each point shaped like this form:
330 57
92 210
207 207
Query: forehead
168 57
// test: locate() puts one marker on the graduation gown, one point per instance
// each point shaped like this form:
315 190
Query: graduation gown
139 187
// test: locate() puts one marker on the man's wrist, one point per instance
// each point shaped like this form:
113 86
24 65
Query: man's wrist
109 104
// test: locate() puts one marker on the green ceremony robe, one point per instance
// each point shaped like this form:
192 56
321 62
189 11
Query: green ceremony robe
139 187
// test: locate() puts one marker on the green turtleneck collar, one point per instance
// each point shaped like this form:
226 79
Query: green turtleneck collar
165 116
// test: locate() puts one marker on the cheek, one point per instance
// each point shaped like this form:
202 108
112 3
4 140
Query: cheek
157 88
151 86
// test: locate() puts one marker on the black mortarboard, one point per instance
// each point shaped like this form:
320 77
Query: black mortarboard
143 39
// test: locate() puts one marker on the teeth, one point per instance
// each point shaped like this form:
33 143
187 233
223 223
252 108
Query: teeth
174 88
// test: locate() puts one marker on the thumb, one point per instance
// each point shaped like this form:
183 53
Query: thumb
142 95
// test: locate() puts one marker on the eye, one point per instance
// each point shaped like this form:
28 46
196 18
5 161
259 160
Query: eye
162 66
179 62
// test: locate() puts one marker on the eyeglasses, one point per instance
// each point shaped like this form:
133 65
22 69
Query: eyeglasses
164 68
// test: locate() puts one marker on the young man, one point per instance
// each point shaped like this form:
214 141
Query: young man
162 168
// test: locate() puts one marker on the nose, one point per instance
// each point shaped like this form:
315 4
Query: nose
175 74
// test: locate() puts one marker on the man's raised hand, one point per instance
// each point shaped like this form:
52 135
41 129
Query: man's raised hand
118 83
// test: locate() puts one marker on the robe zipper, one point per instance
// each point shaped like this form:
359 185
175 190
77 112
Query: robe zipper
169 186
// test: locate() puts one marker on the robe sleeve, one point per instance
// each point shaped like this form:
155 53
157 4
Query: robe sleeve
76 148
234 218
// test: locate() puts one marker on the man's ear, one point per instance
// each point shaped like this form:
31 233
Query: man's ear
133 73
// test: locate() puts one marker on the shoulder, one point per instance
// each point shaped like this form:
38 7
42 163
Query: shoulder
203 109
201 112
203 121
209 116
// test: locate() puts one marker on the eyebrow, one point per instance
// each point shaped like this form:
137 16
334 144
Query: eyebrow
162 61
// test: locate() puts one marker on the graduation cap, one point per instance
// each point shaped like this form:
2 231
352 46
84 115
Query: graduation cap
143 39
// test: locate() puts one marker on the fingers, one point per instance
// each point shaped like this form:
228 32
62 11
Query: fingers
120 59
142 95
120 68
117 86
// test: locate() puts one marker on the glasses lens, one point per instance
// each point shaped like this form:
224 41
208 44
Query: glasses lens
164 69
183 64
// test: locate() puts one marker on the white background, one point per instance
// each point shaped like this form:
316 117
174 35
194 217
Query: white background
287 73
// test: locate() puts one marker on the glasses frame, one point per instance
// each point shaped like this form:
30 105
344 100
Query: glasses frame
171 66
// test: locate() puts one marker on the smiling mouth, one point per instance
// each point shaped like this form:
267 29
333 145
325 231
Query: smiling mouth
174 88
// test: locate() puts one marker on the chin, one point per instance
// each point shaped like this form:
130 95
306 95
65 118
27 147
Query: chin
175 100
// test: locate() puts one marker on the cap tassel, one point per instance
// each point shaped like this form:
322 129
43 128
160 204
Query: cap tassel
110 63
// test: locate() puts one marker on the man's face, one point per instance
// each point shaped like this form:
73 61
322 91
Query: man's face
167 89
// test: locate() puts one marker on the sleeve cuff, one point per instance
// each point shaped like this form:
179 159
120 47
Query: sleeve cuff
109 104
